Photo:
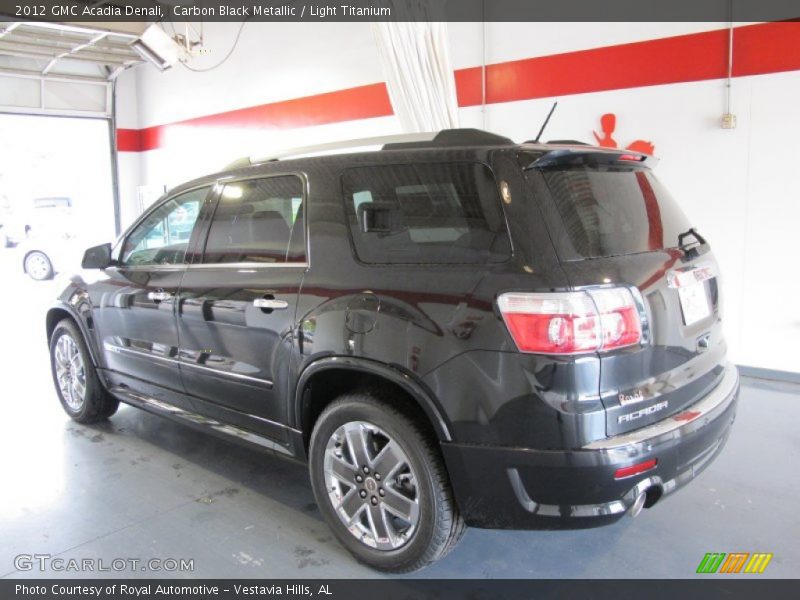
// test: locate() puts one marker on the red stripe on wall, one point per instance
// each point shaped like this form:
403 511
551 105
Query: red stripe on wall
129 140
346 105
758 49
333 107
692 57
766 48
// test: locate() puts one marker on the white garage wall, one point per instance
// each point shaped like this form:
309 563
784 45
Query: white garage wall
737 186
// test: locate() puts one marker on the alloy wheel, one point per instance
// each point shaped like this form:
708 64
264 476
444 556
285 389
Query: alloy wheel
70 372
371 485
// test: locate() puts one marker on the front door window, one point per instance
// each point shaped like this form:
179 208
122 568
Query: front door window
163 237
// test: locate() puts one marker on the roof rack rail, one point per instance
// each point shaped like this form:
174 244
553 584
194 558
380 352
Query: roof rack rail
569 142
382 140
433 139
559 142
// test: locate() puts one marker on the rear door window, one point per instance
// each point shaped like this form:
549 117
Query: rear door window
425 213
258 221
609 212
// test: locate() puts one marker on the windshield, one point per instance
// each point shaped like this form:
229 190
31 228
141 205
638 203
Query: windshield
607 212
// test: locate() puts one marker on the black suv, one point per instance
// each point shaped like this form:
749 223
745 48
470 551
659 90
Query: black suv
454 331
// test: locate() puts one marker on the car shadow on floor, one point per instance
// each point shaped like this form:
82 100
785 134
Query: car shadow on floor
265 473
482 554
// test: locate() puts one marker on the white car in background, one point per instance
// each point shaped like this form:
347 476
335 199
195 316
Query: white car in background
42 256
50 215
44 232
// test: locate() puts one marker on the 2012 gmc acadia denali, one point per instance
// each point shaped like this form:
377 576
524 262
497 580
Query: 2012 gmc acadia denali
459 331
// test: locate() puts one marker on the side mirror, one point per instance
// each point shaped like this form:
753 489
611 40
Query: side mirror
98 257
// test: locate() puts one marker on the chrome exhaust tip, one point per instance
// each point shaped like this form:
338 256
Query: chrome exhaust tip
638 504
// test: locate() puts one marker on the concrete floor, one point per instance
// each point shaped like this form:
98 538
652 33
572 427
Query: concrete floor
143 487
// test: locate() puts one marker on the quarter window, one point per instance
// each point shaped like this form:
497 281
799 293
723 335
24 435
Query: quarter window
258 221
163 237
426 213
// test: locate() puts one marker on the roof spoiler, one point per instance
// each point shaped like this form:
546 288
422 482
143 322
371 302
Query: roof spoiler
591 156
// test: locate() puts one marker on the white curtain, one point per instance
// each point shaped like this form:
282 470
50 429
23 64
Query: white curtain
419 76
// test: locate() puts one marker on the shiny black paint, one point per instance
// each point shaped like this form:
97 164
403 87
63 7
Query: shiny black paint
483 477
432 330
136 336
222 333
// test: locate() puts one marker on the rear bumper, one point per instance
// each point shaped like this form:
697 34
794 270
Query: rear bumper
521 488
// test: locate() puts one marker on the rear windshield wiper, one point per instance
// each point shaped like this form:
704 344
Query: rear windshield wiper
690 249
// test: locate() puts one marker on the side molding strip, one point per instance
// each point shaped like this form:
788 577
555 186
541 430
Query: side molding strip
174 361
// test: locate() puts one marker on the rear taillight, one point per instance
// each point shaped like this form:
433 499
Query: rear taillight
572 322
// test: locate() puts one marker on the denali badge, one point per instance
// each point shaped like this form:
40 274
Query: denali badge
636 396
643 412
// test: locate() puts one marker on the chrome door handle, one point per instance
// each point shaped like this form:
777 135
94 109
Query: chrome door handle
159 296
270 303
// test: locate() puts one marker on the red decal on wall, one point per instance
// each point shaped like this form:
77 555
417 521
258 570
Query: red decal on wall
608 123
642 146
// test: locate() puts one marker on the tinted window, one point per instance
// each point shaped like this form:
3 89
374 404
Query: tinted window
163 237
258 221
615 212
426 213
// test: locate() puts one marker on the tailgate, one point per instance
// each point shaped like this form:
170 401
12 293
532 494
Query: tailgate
684 356
613 222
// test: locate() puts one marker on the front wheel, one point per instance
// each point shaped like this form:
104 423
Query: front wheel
381 484
79 389
38 266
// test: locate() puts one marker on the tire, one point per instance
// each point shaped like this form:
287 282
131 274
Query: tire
68 352
418 478
38 266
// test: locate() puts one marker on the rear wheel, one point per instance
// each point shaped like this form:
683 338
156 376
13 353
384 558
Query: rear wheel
77 384
38 266
381 484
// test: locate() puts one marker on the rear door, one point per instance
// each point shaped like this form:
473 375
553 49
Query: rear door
237 304
614 223
135 301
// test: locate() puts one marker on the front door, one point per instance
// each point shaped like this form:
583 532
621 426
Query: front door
135 302
237 305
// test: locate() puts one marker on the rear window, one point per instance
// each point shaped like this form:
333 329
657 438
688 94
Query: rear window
426 213
615 211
